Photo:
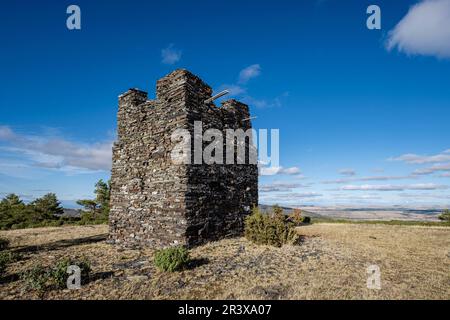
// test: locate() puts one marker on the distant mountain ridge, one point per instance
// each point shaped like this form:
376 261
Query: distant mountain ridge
287 210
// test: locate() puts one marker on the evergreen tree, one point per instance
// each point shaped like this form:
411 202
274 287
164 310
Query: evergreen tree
103 194
48 206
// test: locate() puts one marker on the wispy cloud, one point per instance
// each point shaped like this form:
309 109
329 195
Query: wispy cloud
425 30
424 196
422 159
347 172
373 178
239 89
353 197
170 55
280 186
270 171
290 171
248 73
289 198
389 187
292 196
264 103
56 152
234 89
433 169
440 161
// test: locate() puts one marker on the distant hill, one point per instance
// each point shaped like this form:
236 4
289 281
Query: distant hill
287 210
71 213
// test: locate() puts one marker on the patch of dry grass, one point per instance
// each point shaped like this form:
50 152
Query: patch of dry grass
330 263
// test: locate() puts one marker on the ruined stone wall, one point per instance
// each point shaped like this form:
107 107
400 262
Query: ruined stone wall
157 203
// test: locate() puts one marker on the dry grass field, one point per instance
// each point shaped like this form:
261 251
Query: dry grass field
329 263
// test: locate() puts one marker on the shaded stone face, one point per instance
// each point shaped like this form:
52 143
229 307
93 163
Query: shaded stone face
156 202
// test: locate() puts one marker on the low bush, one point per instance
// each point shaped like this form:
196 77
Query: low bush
273 229
171 259
41 278
7 257
36 278
445 215
4 243
59 273
4 261
296 217
88 218
306 220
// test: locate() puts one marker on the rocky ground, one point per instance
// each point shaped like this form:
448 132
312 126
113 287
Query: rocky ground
330 262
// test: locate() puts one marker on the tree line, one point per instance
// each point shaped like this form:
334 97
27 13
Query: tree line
47 210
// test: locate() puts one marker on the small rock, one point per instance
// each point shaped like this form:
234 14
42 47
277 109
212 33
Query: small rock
137 278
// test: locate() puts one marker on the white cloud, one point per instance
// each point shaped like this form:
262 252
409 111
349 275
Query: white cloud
367 187
389 187
290 171
373 178
234 89
425 30
6 133
170 55
270 171
433 169
248 73
280 186
291 196
354 197
422 159
262 103
423 196
58 153
239 89
347 172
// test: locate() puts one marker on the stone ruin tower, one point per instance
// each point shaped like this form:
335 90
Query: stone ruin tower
157 203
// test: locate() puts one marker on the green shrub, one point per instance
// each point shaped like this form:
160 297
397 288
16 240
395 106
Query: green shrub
171 259
269 229
445 215
88 218
4 243
41 279
4 261
59 273
7 257
277 210
37 278
306 220
3 266
296 217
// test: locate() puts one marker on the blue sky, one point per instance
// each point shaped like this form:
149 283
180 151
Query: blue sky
363 114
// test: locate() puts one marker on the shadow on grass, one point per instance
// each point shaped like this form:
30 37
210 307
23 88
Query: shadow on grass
195 263
100 276
9 278
60 244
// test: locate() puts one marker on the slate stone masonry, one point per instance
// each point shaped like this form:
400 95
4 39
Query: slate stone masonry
157 203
